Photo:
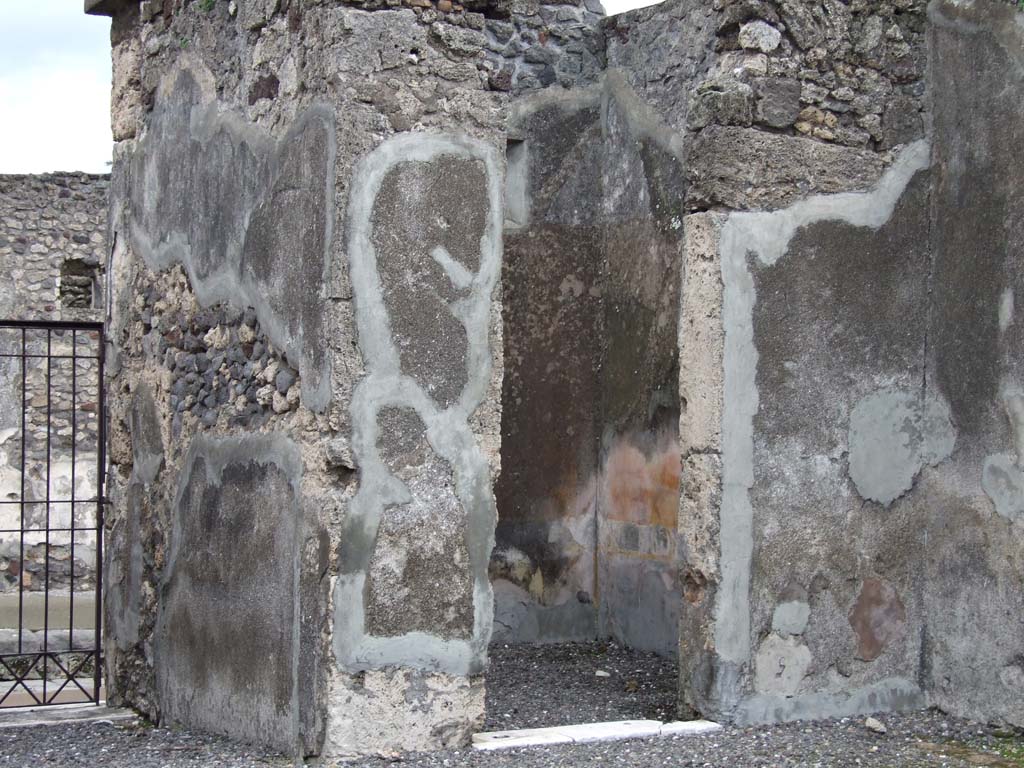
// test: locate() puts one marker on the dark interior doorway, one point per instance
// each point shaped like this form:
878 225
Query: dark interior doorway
588 498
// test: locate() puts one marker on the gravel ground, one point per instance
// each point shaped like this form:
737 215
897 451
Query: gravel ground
834 744
125 745
535 686
532 686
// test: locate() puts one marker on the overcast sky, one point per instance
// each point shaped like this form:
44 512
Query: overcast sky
611 7
55 86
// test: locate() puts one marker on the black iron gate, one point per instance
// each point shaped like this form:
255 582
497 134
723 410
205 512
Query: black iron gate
52 461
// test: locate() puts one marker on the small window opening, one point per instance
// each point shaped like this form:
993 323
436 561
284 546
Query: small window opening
77 284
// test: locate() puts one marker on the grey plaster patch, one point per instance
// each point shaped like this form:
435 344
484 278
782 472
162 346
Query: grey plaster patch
388 384
250 219
892 437
889 695
517 184
1002 476
1006 309
1003 481
780 665
766 234
227 641
791 617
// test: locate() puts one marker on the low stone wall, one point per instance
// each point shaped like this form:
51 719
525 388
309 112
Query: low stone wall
53 245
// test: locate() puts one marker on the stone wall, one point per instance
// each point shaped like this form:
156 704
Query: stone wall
847 433
758 372
52 250
306 211
52 246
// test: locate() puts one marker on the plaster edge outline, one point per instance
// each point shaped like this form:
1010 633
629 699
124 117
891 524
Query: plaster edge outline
270 448
448 431
767 234
230 282
643 123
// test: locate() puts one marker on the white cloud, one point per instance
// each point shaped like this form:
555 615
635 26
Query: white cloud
613 7
54 88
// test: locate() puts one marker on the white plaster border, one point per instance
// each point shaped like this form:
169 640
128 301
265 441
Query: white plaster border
617 730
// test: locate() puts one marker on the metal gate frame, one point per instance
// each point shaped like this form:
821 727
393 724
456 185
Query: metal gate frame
18 666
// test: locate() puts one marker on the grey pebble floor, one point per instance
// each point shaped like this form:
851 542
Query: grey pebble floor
533 686
550 685
831 744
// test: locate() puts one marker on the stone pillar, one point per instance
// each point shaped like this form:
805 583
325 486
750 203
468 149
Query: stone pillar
306 230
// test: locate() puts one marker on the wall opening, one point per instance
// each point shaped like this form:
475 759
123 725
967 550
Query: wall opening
78 284
584 569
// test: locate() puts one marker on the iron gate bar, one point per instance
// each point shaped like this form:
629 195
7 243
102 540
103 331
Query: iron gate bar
46 546
21 665
21 562
74 447
101 465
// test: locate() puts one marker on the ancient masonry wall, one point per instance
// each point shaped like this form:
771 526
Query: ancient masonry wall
848 364
782 101
52 246
311 218
52 256
306 229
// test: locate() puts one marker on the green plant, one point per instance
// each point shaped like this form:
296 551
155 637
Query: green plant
207 5
1010 747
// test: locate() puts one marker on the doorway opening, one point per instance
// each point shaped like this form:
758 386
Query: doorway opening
585 567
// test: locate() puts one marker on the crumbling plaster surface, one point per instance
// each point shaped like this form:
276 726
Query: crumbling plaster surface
975 556
465 248
868 554
751 486
228 638
236 306
236 253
